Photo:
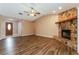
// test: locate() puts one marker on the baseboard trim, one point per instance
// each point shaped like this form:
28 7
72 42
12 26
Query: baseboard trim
43 36
24 35
2 37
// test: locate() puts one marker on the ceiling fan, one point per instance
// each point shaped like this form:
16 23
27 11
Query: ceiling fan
33 12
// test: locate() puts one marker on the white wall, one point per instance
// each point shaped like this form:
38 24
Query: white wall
45 26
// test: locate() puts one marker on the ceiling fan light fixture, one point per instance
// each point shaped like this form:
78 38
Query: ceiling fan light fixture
10 19
32 14
59 7
33 11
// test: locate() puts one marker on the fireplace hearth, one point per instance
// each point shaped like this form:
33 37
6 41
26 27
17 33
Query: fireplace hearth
66 34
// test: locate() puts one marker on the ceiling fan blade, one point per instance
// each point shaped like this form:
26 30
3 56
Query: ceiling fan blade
37 13
33 12
20 13
26 12
32 8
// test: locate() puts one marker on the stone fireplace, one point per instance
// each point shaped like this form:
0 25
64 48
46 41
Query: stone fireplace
66 34
68 27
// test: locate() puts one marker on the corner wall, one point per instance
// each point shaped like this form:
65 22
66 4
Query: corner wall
45 26
27 28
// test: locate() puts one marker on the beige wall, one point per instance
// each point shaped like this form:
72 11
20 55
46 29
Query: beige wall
3 29
20 28
1 18
0 25
45 26
27 28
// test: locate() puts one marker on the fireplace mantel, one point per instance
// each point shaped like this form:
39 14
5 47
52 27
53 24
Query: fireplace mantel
66 20
67 15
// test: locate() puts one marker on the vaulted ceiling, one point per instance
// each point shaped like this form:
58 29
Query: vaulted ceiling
12 9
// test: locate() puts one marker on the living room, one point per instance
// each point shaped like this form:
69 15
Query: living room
33 29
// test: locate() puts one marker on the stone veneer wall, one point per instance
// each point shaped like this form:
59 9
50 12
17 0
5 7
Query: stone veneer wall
68 20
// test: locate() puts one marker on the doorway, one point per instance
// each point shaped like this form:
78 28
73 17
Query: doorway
9 28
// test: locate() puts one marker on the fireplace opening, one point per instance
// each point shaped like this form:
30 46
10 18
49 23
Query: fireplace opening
66 34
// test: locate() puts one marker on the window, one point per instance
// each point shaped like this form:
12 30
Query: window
9 26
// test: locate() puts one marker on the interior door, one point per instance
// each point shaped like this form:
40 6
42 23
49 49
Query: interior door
9 28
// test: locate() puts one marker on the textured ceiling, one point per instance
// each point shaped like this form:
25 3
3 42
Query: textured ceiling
12 9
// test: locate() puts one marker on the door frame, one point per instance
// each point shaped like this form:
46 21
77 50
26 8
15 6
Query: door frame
11 33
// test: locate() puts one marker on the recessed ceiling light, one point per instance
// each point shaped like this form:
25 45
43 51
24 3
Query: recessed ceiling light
54 11
59 7
10 19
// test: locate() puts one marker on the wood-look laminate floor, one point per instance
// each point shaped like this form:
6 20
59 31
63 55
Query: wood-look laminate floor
33 45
